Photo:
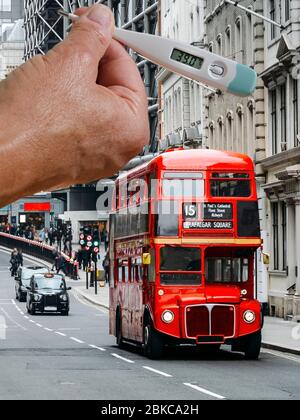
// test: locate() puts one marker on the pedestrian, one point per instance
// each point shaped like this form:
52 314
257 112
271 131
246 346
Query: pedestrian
46 236
79 258
85 259
55 254
60 264
106 265
14 263
20 258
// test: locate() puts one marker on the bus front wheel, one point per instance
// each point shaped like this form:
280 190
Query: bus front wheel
153 342
253 346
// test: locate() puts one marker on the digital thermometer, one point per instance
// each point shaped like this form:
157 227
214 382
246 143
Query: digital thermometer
188 61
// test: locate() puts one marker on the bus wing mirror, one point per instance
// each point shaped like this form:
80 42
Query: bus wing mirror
147 259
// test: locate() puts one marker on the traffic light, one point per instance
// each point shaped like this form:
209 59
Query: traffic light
96 242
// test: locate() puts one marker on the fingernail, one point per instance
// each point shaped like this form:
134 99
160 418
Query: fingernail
101 15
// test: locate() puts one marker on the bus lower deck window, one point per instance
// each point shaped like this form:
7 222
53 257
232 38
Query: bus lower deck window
180 259
226 270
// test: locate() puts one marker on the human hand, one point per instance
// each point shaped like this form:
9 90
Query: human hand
75 115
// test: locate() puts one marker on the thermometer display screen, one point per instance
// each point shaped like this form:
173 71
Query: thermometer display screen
186 58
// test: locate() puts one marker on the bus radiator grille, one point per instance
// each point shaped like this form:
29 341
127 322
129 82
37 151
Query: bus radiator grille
197 321
222 321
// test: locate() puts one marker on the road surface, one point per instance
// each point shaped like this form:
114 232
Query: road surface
55 357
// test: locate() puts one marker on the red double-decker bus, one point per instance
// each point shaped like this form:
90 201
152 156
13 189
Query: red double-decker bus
183 237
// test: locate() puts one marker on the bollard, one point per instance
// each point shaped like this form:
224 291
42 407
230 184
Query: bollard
87 278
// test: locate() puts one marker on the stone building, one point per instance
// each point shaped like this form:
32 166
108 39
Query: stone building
181 99
233 123
282 164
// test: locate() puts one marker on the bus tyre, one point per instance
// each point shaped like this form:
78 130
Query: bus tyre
153 342
120 342
253 346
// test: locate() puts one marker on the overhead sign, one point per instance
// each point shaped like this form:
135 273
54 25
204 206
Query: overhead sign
37 207
214 216
208 225
217 211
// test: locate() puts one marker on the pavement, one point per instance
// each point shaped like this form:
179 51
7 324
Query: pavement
46 357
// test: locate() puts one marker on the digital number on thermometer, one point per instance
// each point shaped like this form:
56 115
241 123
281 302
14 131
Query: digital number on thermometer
188 59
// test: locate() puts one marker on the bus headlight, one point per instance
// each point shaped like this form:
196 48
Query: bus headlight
168 317
249 317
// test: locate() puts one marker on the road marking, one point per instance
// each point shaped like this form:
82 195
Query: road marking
48 329
69 329
205 391
122 358
26 317
3 328
60 333
21 312
97 348
77 340
282 356
159 372
33 322
39 325
12 320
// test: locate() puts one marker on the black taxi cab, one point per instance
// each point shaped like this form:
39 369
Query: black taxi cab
48 293
22 280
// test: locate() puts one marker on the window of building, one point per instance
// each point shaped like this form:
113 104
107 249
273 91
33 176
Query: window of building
228 51
220 134
239 137
287 10
296 112
273 17
274 120
249 38
5 5
250 140
284 235
275 217
283 116
229 132
220 44
239 40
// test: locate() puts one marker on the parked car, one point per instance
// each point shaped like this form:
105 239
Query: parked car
48 293
22 280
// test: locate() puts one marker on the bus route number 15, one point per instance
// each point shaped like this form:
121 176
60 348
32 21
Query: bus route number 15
190 211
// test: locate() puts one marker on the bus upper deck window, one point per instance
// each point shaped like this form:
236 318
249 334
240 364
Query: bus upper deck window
230 185
177 185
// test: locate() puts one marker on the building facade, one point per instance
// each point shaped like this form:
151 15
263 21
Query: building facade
282 164
180 99
232 123
40 210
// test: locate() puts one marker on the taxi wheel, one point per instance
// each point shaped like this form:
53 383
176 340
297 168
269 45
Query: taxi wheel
32 310
65 313
153 342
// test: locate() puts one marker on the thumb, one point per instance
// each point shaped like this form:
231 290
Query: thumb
92 33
